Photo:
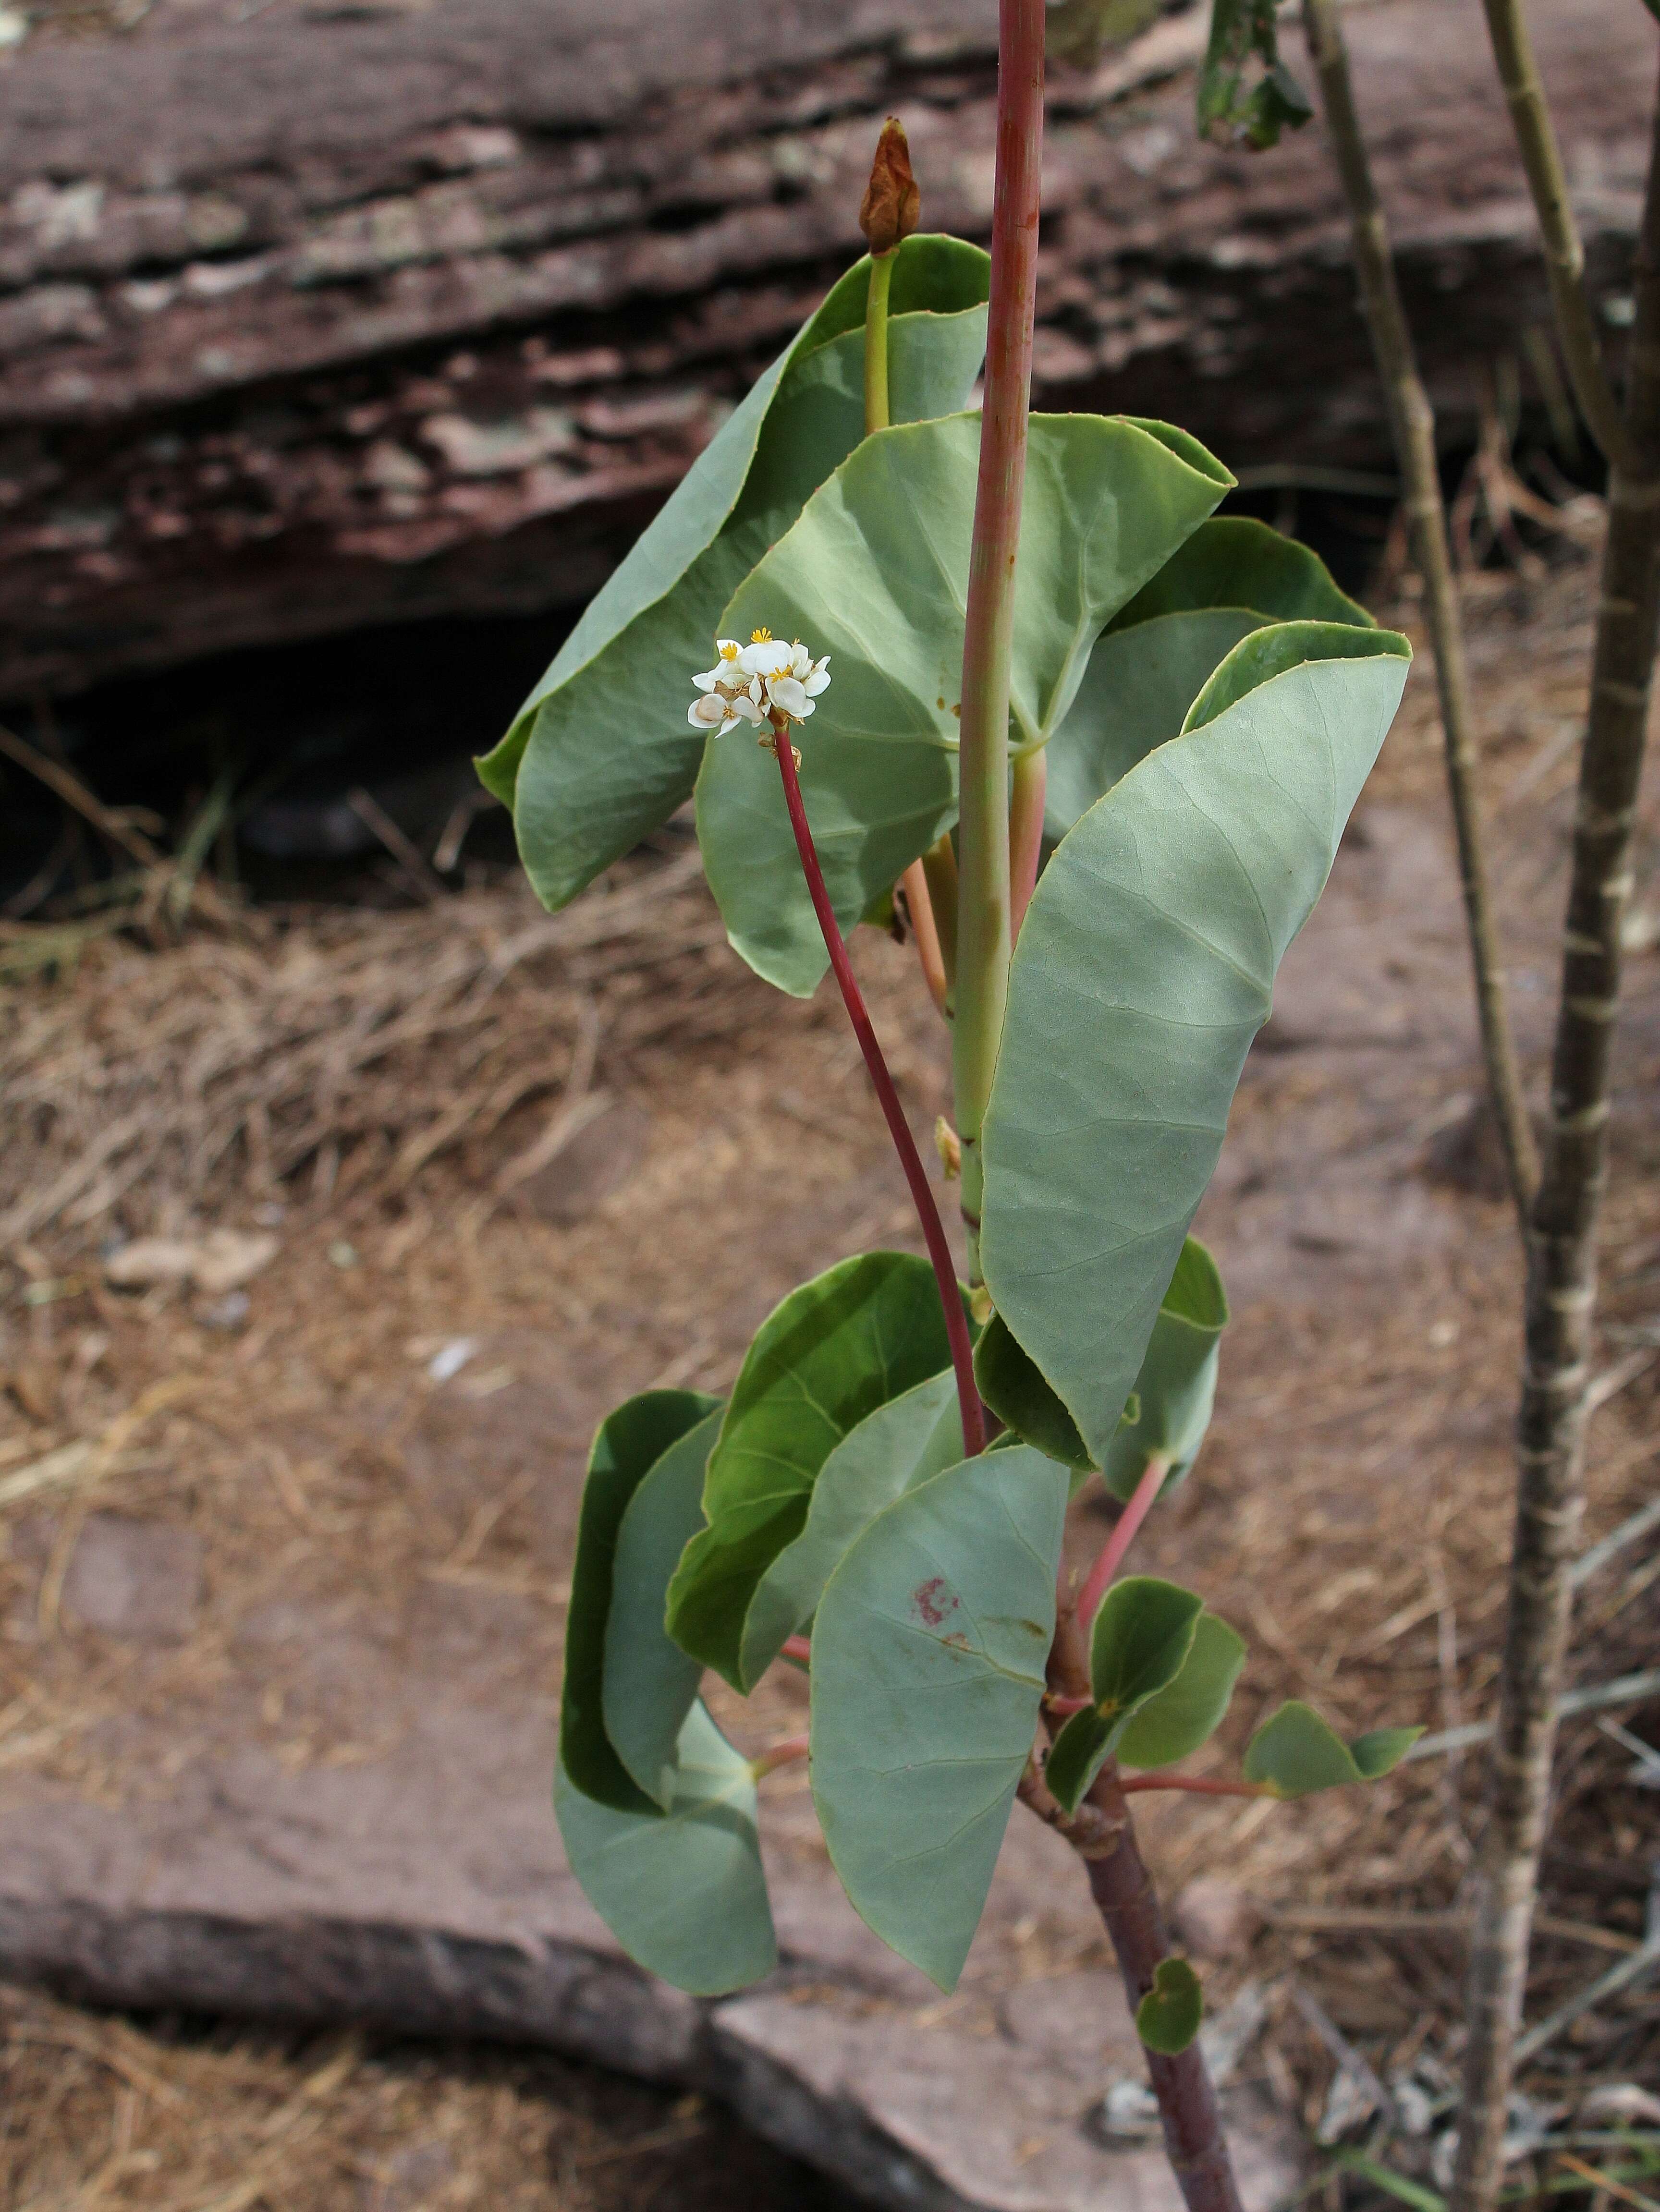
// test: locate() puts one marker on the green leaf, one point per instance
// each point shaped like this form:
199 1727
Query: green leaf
1144 967
875 574
601 752
1077 31
1271 651
649 1683
626 1447
928 1653
1173 1723
1014 1389
1167 2019
1295 1753
1245 90
683 1891
1392 2183
914 1435
829 1354
1231 577
1176 1384
1142 1636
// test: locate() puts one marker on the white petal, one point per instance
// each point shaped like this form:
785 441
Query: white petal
744 706
784 692
804 710
815 683
819 666
707 681
756 659
711 711
800 662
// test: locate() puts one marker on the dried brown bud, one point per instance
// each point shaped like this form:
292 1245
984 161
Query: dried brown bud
892 202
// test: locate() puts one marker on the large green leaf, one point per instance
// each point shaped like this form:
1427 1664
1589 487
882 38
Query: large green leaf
1231 577
1142 1636
875 574
914 1435
1175 1382
1175 1722
683 1891
1144 967
834 1350
649 1682
928 1653
601 751
626 1447
1295 1753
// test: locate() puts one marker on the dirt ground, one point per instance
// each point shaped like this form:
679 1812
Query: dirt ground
590 1152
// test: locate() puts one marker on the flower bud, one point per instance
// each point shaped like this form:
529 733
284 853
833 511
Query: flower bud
892 201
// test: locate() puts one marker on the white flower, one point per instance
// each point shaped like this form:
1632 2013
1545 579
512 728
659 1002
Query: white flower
750 683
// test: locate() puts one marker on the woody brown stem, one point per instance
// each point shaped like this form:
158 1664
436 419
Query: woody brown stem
1562 1290
1103 1834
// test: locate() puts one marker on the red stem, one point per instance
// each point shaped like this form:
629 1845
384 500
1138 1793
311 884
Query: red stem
797 1648
1123 1536
1195 1783
945 1268
782 1754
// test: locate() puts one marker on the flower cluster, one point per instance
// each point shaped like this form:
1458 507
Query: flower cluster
754 682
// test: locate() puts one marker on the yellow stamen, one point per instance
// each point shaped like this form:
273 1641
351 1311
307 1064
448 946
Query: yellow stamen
729 652
760 637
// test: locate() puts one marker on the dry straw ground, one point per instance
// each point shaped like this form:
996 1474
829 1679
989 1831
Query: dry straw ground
387 1089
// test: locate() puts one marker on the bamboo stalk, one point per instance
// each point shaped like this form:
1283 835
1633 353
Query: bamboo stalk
983 935
1412 422
1564 255
1562 1274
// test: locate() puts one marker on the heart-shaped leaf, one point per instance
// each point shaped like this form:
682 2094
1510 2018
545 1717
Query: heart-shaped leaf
1295 1753
1167 2019
1175 1382
627 1446
832 1352
1143 1634
1230 577
875 574
1144 967
914 1435
929 1652
601 752
649 1683
683 1890
1173 1724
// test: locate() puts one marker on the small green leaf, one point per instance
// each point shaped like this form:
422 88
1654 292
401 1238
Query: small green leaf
1230 577
832 1352
650 1684
683 1891
601 752
1175 1386
1142 1636
1173 1723
1404 2191
928 1656
875 574
914 1435
1295 1753
627 1446
1144 967
1013 1387
1245 90
1167 2019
